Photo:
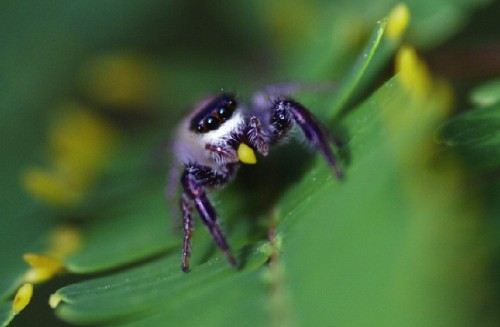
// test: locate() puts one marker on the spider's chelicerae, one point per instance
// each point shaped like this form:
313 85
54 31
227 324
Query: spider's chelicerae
221 133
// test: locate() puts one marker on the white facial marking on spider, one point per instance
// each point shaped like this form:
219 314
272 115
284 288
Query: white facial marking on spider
219 134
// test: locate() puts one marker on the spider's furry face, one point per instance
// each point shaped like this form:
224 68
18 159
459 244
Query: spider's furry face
212 135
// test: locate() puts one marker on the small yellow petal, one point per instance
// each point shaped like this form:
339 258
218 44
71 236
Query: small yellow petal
246 154
38 275
64 241
50 186
22 298
413 72
42 267
38 260
120 80
398 21
80 142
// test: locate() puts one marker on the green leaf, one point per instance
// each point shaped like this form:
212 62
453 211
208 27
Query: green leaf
382 247
475 134
487 93
37 225
160 286
6 313
124 234
433 22
395 243
354 77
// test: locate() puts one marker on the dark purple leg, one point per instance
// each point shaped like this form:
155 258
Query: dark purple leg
194 191
313 131
187 223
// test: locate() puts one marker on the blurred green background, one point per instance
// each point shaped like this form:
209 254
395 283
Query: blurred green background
91 92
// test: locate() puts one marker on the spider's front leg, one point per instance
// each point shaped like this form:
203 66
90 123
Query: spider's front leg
286 111
187 225
193 182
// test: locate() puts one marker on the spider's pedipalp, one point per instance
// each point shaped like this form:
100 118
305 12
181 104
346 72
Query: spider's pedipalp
257 136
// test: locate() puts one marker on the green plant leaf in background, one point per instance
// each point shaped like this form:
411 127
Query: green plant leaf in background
476 133
6 314
159 287
388 253
487 93
396 243
95 301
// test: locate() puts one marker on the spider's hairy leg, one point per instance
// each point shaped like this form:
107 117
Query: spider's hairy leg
187 224
194 191
314 132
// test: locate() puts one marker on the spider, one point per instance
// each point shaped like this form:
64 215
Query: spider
220 134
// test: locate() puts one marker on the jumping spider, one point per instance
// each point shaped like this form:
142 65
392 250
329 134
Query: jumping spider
221 133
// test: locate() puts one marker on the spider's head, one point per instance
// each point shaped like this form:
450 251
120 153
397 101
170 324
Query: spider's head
220 122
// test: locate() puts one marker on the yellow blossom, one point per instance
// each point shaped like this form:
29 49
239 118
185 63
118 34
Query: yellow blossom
415 77
62 242
80 140
413 72
79 146
22 298
397 22
120 80
42 267
51 186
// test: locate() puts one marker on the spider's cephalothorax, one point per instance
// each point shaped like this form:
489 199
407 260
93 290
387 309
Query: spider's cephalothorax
220 134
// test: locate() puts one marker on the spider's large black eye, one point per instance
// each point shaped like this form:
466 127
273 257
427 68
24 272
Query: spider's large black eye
208 124
214 114
225 111
211 123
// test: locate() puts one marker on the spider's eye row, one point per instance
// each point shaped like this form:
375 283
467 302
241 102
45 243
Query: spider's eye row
207 124
214 114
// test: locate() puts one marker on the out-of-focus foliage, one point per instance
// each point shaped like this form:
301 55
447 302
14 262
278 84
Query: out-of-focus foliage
91 91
